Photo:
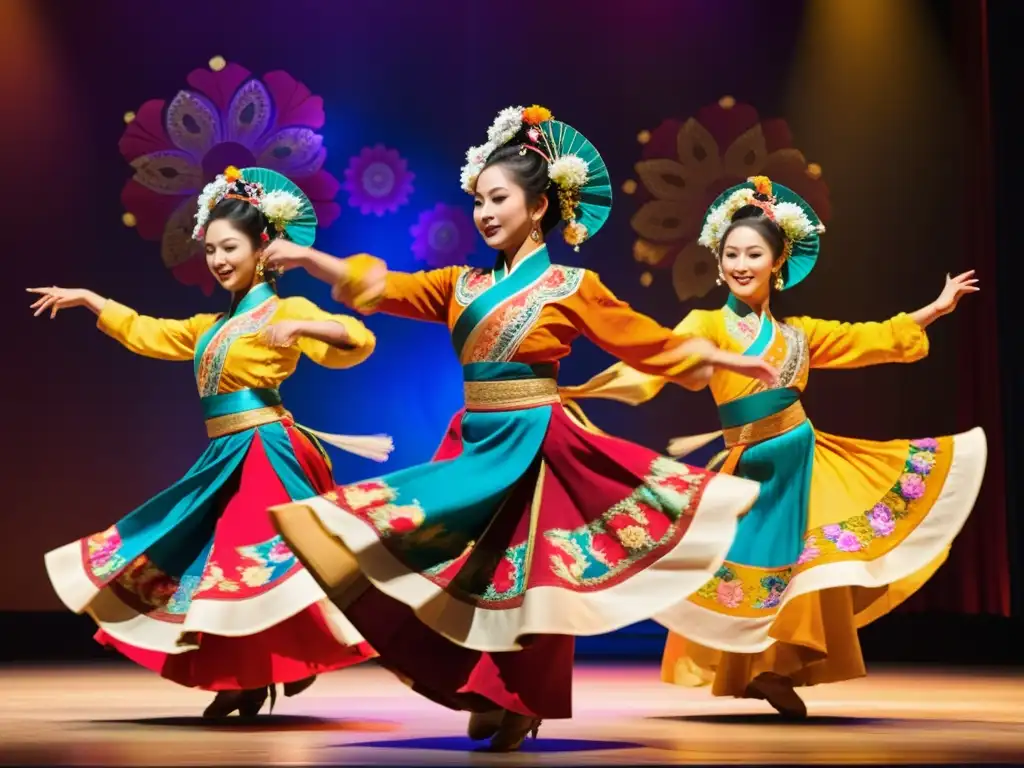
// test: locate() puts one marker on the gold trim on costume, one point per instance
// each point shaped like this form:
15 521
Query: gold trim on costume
237 422
764 429
510 395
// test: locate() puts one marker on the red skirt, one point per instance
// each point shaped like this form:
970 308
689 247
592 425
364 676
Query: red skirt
256 639
536 681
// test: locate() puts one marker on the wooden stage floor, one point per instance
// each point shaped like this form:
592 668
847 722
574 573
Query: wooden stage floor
115 714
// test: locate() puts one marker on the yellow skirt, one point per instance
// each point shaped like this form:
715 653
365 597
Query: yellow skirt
881 520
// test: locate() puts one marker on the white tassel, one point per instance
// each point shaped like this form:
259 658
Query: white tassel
375 447
683 446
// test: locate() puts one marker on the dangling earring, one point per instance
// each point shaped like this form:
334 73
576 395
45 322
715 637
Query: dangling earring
261 268
721 276
779 283
535 235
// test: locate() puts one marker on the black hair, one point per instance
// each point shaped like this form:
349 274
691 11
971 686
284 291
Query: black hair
530 171
245 217
754 218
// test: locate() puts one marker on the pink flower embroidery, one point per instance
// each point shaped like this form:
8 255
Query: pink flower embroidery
730 593
848 542
810 552
880 518
832 532
922 463
926 444
911 486
279 553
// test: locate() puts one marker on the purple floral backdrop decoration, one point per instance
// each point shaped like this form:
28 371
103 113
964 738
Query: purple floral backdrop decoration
225 117
444 236
378 180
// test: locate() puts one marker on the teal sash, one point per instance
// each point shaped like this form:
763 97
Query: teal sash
760 405
771 534
527 272
241 401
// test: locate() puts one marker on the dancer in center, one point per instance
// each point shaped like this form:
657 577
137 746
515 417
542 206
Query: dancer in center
526 530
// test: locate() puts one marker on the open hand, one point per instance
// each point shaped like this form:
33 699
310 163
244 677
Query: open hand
955 289
283 334
55 299
282 255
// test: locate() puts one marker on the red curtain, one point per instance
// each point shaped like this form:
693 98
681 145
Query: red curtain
976 579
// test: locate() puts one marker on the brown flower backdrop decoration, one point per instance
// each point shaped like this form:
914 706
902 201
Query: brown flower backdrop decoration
686 164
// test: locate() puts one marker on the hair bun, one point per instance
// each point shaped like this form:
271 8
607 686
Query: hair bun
749 212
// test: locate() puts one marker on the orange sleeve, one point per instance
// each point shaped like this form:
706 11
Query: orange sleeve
416 295
628 385
620 330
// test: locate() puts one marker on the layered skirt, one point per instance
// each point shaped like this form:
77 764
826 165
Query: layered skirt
525 531
195 584
843 532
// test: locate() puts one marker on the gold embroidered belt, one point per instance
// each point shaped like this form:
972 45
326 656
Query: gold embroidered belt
511 395
239 422
758 431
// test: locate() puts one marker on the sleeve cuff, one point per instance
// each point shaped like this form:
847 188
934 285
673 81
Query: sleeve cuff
113 317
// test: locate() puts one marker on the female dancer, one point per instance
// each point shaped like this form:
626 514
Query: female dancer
844 530
525 530
194 584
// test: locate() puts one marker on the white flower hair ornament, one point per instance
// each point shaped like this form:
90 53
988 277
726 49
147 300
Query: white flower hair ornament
799 224
285 206
574 166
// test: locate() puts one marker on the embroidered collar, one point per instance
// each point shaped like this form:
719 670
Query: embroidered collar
258 294
541 252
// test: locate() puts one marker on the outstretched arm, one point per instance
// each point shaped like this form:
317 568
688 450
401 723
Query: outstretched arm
628 385
901 339
147 336
649 347
364 283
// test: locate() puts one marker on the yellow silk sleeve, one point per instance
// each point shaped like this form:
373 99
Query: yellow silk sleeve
361 344
627 385
416 295
151 336
833 344
634 338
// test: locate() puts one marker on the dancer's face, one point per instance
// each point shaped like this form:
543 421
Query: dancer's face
747 265
501 212
230 256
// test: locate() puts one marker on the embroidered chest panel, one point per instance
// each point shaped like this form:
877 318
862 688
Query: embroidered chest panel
743 330
500 333
788 350
796 361
211 365
471 284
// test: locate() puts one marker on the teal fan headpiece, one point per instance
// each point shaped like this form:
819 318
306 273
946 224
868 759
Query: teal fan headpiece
575 166
800 225
286 206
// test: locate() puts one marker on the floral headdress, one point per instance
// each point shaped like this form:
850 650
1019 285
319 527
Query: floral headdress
796 219
286 207
574 166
